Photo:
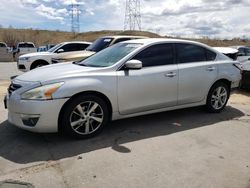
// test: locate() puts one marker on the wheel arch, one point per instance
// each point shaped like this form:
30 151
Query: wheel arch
95 93
223 80
38 61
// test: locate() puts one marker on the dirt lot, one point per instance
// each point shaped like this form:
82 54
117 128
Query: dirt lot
183 148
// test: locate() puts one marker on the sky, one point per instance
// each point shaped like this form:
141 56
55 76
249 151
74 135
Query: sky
185 18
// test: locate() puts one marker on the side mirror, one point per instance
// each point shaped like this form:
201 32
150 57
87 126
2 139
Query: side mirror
60 51
133 64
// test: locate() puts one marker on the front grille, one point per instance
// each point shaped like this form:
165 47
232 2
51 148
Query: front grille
21 67
13 87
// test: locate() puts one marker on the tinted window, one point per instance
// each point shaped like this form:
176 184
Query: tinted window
26 45
242 51
190 53
247 51
160 54
73 47
100 44
210 55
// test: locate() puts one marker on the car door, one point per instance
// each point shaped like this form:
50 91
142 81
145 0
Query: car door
152 87
197 72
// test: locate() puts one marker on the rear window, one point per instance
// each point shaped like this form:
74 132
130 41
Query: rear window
100 44
26 45
188 53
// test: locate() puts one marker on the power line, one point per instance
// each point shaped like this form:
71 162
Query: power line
75 17
133 15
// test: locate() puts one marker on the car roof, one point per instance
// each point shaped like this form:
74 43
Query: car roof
159 40
124 36
82 42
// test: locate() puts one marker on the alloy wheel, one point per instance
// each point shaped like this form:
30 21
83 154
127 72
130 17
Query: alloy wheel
219 98
86 118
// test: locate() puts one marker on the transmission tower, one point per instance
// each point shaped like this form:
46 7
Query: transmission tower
133 15
75 17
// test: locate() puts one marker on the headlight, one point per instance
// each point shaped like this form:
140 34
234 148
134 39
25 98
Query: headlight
24 58
42 93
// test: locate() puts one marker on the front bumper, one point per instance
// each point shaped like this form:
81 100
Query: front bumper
22 65
46 111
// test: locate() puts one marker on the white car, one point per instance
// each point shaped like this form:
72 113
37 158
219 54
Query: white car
5 54
243 56
33 60
25 48
230 52
128 79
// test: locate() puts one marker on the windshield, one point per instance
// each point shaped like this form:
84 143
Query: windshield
110 56
26 45
99 44
55 48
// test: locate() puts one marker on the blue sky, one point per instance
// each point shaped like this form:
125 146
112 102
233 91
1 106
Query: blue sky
190 18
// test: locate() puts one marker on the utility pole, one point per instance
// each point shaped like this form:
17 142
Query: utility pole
133 15
75 17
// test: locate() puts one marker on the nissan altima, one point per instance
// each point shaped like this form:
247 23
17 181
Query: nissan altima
128 79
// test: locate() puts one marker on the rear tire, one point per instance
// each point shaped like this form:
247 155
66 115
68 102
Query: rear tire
84 116
218 97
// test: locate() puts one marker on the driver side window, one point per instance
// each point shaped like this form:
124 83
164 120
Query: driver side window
156 55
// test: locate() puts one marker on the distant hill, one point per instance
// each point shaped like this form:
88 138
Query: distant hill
42 37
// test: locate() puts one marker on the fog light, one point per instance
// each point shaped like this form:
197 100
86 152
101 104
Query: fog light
30 120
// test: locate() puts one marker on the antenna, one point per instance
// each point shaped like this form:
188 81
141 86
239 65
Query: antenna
133 15
75 17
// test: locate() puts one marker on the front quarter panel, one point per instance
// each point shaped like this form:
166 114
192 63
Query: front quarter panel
105 84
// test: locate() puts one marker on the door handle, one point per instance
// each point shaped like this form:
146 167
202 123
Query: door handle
170 75
211 68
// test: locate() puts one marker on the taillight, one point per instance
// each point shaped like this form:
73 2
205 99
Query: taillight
239 66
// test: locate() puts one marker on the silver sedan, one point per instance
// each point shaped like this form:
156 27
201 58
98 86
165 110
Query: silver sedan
129 79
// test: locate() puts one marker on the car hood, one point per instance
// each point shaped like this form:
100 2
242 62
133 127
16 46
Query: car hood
36 54
56 72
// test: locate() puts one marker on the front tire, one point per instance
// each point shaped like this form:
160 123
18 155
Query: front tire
217 97
84 116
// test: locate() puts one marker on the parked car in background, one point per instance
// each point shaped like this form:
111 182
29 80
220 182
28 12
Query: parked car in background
128 79
5 54
25 47
98 45
45 48
230 52
243 56
33 60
